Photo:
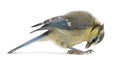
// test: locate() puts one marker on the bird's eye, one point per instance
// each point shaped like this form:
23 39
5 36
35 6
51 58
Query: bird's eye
94 40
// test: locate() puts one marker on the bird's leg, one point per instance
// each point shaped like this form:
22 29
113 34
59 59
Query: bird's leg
78 52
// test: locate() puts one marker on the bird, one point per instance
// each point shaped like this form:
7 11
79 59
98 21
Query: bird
69 30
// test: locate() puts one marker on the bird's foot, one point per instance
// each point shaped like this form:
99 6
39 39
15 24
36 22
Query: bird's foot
79 52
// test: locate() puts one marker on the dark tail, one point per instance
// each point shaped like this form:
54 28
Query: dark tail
30 41
37 25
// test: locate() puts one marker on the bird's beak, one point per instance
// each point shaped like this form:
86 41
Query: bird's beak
88 45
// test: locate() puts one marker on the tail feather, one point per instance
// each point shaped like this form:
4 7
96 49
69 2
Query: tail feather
37 25
30 41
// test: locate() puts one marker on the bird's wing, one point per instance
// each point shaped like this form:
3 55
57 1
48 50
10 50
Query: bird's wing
56 22
62 23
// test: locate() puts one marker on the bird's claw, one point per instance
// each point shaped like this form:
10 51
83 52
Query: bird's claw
88 51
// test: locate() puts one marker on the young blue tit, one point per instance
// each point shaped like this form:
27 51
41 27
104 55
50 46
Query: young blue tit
69 30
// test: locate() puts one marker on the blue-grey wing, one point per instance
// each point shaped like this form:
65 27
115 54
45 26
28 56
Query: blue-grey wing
57 22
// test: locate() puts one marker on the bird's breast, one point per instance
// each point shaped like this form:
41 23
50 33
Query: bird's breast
67 38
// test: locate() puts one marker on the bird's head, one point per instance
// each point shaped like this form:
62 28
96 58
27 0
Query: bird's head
96 35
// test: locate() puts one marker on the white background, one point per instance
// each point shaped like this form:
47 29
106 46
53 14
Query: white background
16 17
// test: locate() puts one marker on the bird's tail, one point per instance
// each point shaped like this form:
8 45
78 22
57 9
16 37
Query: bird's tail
30 41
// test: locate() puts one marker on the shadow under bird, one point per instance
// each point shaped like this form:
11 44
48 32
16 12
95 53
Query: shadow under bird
69 30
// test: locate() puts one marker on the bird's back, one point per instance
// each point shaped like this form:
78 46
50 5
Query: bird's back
80 18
